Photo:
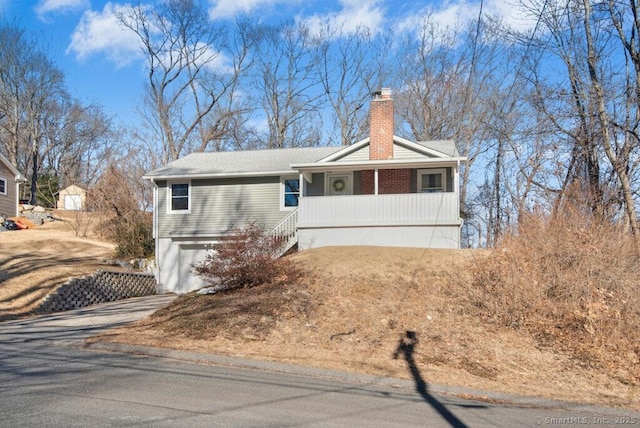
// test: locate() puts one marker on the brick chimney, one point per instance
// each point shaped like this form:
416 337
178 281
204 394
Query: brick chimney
381 126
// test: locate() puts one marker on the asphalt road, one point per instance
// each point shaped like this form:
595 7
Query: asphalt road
47 379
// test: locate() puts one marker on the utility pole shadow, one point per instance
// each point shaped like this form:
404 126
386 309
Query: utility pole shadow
406 348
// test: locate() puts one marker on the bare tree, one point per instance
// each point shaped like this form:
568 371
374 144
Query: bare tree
193 69
80 139
287 86
351 66
594 102
453 88
37 115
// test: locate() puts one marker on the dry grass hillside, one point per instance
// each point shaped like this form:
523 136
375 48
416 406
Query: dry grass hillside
34 262
352 311
553 314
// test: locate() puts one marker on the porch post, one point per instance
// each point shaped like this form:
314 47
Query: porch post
375 181
302 184
456 183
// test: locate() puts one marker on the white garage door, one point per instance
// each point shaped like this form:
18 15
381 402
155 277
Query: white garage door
188 256
72 202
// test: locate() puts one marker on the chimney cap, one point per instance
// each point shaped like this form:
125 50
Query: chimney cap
382 93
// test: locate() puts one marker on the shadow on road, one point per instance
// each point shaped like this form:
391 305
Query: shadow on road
406 348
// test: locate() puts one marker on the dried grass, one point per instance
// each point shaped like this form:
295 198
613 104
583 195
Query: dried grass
573 283
351 311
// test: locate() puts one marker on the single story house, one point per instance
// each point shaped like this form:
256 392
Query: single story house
72 198
382 191
10 179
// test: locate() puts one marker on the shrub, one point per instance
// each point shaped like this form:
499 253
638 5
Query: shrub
246 257
572 282
126 223
132 233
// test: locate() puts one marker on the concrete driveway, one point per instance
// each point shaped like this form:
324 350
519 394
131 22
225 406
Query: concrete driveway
71 328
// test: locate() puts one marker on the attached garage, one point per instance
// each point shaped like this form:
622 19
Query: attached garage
180 254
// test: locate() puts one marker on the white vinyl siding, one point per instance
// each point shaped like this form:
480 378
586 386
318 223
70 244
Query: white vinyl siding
357 156
401 152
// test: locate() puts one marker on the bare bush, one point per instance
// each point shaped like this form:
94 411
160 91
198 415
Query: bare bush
571 281
246 257
125 223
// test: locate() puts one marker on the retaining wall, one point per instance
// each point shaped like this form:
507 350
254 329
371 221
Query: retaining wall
103 286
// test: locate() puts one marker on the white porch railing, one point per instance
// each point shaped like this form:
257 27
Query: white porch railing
379 210
287 231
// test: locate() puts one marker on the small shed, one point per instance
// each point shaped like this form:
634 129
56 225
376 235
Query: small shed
72 198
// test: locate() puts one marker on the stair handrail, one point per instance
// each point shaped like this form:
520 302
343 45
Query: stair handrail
287 230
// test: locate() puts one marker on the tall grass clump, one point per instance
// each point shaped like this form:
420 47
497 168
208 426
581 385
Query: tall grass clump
573 283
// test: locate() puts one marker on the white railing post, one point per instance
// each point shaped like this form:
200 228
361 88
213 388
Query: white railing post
287 230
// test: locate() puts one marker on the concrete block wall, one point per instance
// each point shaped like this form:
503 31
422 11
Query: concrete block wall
103 286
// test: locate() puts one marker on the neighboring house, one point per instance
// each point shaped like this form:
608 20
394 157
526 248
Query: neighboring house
382 191
10 179
72 198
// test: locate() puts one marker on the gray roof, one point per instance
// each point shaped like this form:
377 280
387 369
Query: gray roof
261 162
12 168
239 162
446 147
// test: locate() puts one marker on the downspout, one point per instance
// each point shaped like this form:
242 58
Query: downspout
457 184
17 209
19 179
154 233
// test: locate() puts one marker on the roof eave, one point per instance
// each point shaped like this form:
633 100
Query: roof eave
218 175
378 164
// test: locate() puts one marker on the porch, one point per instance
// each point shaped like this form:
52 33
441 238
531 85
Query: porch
424 220
409 209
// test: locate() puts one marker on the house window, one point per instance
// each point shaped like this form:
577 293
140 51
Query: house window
179 198
432 180
3 186
290 193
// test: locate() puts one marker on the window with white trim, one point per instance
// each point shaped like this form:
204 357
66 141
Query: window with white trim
3 186
179 198
290 192
432 180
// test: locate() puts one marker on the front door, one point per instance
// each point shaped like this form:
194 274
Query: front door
339 184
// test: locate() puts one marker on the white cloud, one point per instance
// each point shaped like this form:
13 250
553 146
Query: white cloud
511 13
354 14
47 6
453 13
101 32
222 9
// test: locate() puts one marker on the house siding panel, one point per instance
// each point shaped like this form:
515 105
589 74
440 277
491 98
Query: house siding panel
401 152
8 202
368 210
357 156
390 236
218 205
316 187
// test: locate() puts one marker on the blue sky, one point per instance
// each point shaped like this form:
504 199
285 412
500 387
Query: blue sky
102 63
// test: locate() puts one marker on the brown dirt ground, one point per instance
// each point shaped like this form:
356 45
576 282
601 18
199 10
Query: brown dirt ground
34 262
350 312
